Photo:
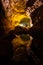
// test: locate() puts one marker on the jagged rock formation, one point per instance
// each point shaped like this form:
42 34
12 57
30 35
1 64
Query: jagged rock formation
32 56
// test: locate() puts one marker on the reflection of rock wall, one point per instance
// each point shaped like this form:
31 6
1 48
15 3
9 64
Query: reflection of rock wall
37 45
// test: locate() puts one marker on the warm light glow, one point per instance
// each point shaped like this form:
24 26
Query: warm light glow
15 11
17 15
15 19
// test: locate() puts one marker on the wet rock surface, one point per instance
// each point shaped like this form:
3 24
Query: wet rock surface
21 56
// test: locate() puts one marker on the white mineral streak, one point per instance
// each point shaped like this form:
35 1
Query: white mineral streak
8 4
37 4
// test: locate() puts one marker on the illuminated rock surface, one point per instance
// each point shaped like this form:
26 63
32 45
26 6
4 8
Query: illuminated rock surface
15 11
21 55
